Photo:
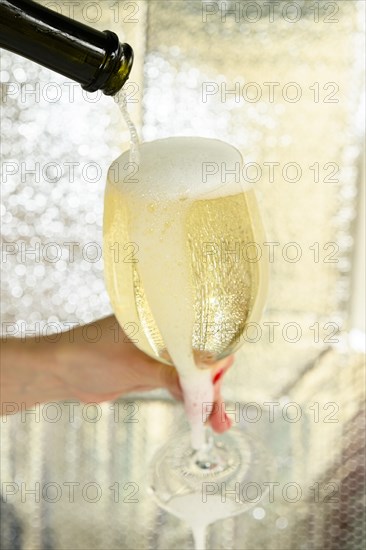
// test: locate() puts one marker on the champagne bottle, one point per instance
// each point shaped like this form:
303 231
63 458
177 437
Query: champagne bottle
96 60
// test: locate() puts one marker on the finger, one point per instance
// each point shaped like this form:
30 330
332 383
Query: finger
218 377
167 377
221 367
219 420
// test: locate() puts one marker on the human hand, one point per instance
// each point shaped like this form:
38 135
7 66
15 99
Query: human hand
91 363
113 366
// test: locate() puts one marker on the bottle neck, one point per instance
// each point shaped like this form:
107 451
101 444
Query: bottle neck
94 59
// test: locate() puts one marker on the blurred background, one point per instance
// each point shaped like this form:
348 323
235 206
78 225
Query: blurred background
282 81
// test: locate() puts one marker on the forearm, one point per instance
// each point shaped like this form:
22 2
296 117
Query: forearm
91 363
92 367
29 373
75 365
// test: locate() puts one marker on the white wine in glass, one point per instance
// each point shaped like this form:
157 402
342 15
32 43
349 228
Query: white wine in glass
185 270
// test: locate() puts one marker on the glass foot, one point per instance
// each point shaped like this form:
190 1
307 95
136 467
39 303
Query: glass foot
232 467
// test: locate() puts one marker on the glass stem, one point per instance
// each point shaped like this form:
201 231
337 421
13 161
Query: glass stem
207 458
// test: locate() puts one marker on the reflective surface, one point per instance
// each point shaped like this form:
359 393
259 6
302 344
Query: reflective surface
92 476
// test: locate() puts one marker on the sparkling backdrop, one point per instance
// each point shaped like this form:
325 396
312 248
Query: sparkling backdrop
55 209
57 144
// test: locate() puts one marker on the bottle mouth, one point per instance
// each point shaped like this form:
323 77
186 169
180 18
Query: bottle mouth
115 69
120 74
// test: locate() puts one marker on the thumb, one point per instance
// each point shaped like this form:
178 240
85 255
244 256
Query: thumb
167 377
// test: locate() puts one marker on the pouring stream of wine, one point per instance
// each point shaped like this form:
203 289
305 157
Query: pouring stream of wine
121 100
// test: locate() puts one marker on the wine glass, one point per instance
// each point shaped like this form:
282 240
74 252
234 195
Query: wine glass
186 273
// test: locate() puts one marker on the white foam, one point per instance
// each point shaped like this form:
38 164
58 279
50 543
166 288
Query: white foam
198 398
161 174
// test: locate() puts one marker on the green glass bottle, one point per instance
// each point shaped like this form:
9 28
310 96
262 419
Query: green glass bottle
96 60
